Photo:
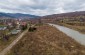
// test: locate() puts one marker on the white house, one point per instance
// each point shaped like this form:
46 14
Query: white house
15 31
3 27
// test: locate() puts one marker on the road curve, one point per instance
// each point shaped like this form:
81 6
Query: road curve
3 52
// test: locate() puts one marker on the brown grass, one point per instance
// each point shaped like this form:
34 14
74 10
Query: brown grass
5 43
47 41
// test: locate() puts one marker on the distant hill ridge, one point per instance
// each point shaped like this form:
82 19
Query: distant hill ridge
17 15
69 14
27 16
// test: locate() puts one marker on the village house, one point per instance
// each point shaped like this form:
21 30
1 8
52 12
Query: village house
15 31
6 20
3 27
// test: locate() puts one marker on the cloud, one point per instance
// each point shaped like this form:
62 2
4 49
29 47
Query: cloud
41 7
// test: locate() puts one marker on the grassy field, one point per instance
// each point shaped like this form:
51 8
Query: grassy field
47 40
5 43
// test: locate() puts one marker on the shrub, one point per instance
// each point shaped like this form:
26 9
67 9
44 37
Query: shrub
23 27
31 29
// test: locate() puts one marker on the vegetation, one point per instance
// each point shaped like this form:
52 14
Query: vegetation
23 27
47 40
6 39
74 20
31 29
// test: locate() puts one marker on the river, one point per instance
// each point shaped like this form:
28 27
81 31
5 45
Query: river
79 37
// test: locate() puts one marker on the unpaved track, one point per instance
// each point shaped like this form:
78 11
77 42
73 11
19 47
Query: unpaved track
3 52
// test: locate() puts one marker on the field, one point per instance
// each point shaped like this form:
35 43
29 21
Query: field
47 40
5 43
5 40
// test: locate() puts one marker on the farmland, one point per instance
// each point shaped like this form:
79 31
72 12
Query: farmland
47 40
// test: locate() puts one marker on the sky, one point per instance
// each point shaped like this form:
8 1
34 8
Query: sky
41 7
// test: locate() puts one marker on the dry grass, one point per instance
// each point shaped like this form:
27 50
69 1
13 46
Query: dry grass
47 41
5 43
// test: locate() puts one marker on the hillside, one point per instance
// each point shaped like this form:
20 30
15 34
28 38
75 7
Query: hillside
47 40
17 15
69 14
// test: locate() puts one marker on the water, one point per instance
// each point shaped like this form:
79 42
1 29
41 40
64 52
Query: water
79 37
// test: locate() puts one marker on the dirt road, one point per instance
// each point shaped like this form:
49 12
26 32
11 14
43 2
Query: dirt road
3 52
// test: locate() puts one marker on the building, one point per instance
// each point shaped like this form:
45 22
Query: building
14 32
6 20
3 27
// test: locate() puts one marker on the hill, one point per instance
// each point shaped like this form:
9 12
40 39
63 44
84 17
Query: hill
47 40
17 15
71 16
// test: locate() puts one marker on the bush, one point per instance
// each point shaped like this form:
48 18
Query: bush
31 29
23 27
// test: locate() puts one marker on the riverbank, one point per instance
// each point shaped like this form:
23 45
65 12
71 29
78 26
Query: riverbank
47 40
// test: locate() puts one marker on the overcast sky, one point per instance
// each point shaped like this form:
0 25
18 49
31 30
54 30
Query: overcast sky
41 7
